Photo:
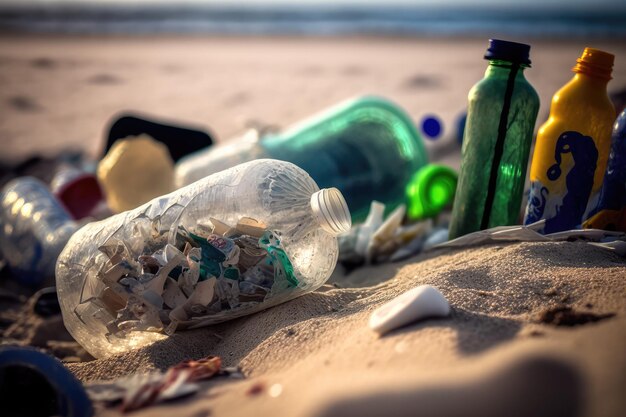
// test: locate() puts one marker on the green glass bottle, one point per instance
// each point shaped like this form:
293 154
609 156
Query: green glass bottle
501 118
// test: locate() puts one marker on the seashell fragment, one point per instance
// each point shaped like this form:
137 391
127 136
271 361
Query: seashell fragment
416 304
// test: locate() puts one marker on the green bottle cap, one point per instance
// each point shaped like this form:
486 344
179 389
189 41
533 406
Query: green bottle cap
430 190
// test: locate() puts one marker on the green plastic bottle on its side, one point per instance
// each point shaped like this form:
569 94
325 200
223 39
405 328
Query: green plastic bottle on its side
367 147
501 118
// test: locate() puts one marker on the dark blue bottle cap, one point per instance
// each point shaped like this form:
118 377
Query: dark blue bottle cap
431 126
514 52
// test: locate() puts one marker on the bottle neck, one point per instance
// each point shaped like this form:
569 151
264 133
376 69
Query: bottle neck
502 69
331 211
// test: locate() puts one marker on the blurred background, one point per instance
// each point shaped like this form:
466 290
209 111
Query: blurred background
67 66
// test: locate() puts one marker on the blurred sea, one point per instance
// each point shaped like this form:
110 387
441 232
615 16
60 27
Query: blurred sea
310 20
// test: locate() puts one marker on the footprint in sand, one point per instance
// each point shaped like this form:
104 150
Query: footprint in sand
24 104
43 63
104 79
422 81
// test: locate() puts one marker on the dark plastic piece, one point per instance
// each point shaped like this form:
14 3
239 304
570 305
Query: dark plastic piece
47 303
35 384
180 140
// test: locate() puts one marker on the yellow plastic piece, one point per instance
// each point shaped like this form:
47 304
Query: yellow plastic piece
134 171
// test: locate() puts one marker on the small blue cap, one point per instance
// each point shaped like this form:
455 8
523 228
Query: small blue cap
517 53
431 126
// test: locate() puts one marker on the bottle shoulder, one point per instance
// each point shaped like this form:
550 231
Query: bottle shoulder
497 86
582 95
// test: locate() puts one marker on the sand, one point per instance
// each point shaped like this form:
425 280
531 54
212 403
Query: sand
61 92
315 356
492 350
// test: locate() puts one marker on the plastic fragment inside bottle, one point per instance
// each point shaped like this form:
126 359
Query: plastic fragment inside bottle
208 271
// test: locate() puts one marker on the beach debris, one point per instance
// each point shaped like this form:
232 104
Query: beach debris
275 390
432 126
383 239
135 170
436 237
256 389
617 246
430 191
383 235
34 383
215 269
180 139
232 372
141 390
46 303
516 233
529 233
79 191
230 245
589 235
365 232
35 226
419 303
567 316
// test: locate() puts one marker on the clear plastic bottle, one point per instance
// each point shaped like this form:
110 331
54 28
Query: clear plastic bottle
367 147
231 244
34 227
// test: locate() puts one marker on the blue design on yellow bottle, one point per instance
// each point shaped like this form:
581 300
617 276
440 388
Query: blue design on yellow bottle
572 147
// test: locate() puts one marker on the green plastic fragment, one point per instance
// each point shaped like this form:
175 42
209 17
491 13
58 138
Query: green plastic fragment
231 273
208 251
279 255
430 190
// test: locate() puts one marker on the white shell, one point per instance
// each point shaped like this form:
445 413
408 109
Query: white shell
416 304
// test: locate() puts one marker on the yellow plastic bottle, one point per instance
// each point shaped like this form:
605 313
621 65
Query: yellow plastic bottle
572 147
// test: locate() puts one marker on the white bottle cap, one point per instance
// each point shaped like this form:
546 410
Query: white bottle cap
331 211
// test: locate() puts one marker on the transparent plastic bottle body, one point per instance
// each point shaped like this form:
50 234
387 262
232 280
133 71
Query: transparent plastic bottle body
34 228
471 211
572 148
276 193
367 147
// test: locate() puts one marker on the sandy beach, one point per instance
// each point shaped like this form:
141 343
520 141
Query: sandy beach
496 355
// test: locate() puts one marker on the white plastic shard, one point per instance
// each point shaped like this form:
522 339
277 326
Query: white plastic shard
219 227
500 234
172 295
385 232
202 295
528 233
595 235
617 246
416 304
251 227
366 230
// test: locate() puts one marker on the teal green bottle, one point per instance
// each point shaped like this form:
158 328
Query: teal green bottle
366 147
501 117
